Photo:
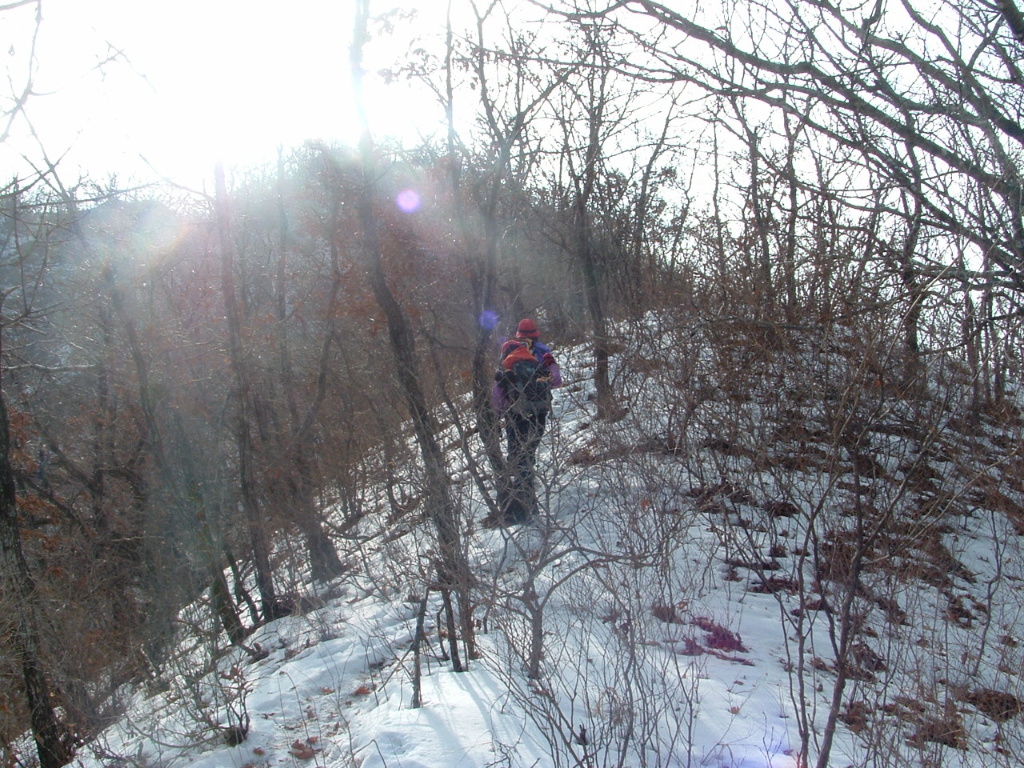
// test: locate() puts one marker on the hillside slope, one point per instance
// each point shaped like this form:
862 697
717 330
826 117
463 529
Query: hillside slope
776 554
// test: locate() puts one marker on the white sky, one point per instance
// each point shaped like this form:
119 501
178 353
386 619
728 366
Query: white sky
199 80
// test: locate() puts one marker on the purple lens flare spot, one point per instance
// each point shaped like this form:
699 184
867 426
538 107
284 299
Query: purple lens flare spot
488 319
408 200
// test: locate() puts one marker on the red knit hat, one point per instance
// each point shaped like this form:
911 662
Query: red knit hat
528 329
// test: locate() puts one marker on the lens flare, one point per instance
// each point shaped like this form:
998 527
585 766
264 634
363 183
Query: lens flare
408 200
488 319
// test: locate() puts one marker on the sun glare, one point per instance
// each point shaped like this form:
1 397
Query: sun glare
173 88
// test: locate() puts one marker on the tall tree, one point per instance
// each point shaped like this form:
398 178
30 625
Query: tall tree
587 119
453 574
507 110
54 743
243 419
53 739
296 453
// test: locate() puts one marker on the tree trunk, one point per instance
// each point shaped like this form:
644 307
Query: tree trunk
763 284
417 656
453 570
486 275
53 740
224 606
789 254
913 370
585 181
257 537
593 284
483 272
324 562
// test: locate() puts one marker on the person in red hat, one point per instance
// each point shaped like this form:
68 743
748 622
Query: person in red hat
522 395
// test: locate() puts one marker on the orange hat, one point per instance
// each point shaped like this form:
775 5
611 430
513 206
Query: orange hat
527 329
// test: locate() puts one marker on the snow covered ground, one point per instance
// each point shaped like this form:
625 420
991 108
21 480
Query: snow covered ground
691 576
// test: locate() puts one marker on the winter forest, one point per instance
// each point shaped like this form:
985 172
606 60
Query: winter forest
778 250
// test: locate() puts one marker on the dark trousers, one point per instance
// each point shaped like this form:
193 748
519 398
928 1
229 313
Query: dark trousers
518 497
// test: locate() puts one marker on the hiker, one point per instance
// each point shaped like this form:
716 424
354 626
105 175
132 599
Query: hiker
522 394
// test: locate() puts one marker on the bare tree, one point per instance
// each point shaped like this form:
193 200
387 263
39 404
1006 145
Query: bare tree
54 742
586 120
453 574
53 739
507 125
324 561
270 605
877 80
